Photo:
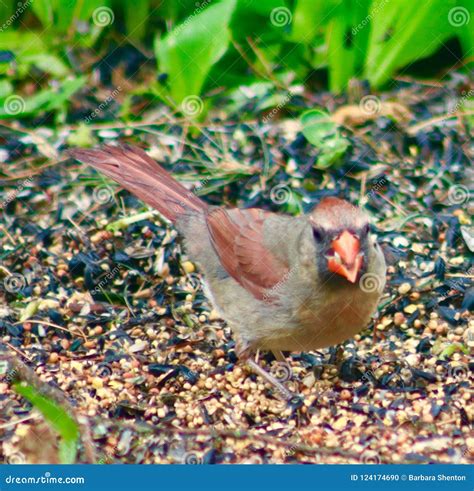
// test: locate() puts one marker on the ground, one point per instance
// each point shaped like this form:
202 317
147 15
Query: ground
111 312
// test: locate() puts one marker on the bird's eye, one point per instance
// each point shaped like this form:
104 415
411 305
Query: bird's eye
318 234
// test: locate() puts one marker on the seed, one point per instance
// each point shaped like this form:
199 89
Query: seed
188 267
410 309
398 319
53 357
404 288
97 383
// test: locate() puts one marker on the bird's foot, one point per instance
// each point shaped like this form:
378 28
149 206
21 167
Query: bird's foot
245 351
281 389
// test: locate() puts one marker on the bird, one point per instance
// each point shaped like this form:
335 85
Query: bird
281 282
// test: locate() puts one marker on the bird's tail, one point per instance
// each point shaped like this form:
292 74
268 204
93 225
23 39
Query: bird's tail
133 169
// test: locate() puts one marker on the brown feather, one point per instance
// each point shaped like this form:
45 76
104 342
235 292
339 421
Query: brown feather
335 213
133 169
237 237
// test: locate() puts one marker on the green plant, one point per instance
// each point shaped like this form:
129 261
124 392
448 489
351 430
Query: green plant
57 417
216 46
324 134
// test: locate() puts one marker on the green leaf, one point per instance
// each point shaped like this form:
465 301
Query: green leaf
266 19
57 417
324 134
46 100
44 11
136 15
452 348
317 125
462 18
81 137
46 62
21 42
188 53
309 18
403 32
6 89
347 37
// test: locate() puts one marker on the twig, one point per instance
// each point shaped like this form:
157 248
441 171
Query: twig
55 326
17 421
413 130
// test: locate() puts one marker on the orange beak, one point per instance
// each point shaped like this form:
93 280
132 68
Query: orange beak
346 261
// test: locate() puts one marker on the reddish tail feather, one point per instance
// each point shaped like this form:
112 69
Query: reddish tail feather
133 169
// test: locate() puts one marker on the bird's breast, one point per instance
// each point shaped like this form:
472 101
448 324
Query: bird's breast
331 318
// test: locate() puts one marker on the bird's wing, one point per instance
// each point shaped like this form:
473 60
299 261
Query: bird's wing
237 237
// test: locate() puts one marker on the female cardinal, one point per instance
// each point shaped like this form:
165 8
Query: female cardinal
282 283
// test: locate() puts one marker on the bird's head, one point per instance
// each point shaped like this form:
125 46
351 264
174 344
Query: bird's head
341 237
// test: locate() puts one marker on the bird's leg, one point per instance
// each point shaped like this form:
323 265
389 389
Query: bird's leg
279 356
244 353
